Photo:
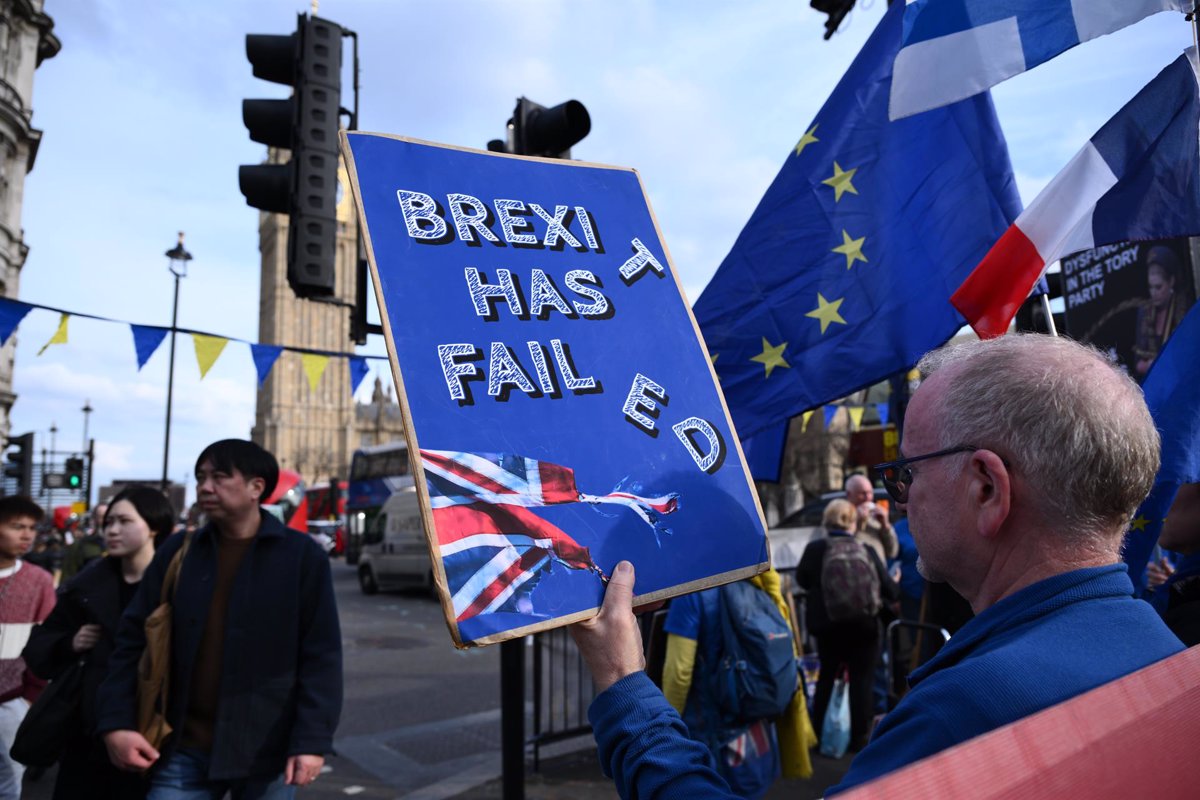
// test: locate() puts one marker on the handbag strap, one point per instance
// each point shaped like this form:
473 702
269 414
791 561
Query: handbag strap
172 576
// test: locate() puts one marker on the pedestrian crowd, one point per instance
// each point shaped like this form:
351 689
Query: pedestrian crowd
187 662
174 661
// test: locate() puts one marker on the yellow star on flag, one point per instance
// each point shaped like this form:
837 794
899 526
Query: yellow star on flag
806 140
840 181
713 358
771 357
851 249
826 311
1139 523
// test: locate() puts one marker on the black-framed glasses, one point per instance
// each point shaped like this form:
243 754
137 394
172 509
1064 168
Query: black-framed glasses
897 476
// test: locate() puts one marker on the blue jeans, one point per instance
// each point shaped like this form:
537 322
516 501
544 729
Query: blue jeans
184 776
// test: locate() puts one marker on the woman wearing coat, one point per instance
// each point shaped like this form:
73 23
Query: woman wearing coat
83 626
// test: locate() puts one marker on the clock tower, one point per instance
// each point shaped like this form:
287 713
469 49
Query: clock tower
310 431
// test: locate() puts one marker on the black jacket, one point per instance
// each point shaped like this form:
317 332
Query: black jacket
281 671
808 576
91 597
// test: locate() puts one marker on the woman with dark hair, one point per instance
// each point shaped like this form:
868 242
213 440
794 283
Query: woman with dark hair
82 627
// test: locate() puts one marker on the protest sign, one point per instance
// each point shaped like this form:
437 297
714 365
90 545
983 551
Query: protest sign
557 398
1127 298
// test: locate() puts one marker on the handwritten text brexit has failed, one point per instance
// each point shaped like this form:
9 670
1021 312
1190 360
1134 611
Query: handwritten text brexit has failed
541 370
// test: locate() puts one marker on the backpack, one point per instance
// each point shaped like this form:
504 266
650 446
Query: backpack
849 582
755 676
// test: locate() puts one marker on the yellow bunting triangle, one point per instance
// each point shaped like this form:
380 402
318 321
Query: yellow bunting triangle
804 418
314 368
856 415
208 350
60 335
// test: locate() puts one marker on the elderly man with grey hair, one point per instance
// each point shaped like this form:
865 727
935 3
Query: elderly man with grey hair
1024 458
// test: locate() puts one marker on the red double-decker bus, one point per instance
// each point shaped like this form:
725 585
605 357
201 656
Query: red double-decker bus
289 498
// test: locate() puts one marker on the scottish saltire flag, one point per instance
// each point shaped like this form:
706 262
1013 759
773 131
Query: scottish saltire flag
1171 393
1137 178
843 274
954 49
494 549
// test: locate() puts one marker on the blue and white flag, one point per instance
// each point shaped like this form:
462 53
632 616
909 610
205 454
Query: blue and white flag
953 49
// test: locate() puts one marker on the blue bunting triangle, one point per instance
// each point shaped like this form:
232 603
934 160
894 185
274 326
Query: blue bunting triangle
265 356
146 339
11 314
830 413
358 371
883 410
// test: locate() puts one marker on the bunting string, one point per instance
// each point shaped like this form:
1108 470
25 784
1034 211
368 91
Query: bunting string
208 346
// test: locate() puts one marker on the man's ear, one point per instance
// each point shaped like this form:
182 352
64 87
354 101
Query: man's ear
990 491
257 485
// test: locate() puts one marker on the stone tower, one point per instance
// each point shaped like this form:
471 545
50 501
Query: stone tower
26 40
309 432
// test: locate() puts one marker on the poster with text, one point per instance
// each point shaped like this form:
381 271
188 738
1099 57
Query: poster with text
1128 298
558 401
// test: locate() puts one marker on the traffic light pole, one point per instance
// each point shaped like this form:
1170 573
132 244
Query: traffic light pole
170 384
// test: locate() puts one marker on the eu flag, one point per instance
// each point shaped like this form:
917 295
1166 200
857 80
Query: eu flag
1171 394
843 274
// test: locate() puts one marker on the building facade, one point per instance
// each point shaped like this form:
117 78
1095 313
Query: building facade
26 40
314 432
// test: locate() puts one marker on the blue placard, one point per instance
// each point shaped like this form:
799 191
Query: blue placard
553 379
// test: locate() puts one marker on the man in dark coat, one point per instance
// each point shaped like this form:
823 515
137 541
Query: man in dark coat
256 658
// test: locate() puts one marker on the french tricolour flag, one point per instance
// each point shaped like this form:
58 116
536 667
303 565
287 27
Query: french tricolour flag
1137 178
953 49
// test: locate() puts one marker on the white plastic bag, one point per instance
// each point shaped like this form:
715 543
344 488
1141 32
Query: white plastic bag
835 730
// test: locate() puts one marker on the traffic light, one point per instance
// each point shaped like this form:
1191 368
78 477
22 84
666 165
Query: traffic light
74 472
305 188
19 462
549 132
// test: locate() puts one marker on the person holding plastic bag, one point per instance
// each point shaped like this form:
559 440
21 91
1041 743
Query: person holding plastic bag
846 584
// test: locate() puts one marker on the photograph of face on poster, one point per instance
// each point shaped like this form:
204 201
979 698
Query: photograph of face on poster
1127 299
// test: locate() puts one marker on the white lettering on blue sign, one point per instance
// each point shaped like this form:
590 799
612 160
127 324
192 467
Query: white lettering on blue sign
554 226
632 269
481 291
465 223
599 306
419 207
644 395
512 226
571 380
504 369
542 293
455 372
585 222
705 461
538 354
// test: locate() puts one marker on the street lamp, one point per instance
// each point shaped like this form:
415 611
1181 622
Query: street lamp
178 262
87 450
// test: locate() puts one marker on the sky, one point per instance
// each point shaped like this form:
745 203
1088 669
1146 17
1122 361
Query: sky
141 113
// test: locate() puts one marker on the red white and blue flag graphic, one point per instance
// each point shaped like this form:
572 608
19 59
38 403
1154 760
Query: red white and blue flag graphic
1138 178
493 548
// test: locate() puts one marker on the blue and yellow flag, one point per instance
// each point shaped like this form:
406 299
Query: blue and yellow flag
1171 394
843 274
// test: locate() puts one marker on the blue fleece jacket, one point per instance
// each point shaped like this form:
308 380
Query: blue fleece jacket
1038 647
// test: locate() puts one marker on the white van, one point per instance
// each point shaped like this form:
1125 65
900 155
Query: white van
394 551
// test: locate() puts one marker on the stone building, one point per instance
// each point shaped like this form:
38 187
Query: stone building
314 433
26 40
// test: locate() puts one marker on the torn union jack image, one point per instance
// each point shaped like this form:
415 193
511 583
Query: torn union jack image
494 549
